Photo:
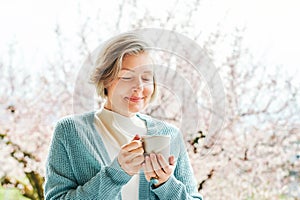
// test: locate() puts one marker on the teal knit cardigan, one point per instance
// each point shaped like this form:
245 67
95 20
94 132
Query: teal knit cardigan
78 165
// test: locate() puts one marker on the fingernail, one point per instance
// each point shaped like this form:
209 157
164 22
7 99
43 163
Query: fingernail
147 160
137 137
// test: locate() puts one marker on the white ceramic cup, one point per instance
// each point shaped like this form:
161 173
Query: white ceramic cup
157 144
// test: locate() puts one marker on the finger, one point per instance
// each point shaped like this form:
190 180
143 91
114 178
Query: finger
135 153
138 151
172 160
129 157
156 166
132 145
148 170
138 160
163 163
145 172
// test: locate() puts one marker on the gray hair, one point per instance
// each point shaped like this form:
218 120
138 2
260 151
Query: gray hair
109 60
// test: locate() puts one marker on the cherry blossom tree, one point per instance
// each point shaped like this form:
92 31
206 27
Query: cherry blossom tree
254 156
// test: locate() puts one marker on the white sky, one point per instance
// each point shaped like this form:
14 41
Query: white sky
272 28
274 31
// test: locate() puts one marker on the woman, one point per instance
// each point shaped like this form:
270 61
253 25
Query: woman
99 155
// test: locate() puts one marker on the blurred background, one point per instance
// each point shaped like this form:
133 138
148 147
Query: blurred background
254 45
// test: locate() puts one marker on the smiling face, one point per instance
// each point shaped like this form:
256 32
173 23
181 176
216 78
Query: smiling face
131 92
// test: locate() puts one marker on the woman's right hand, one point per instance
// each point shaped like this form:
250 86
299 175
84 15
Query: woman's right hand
131 156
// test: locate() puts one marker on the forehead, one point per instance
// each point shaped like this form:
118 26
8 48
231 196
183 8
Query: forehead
139 62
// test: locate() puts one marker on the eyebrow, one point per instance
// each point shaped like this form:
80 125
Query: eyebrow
127 69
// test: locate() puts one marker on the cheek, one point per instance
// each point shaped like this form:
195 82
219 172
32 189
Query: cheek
148 90
118 89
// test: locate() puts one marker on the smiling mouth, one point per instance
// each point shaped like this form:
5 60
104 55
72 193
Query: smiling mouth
135 99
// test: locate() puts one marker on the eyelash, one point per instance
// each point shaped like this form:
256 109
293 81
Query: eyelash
130 78
146 79
126 78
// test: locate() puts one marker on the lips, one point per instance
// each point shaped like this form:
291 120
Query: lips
135 99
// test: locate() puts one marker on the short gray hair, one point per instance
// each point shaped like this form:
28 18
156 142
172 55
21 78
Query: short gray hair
109 60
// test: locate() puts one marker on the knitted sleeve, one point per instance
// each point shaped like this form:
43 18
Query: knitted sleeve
61 181
182 184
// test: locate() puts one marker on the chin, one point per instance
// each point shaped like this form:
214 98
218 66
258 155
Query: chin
135 109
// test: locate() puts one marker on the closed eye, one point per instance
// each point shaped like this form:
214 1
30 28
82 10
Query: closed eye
126 78
147 79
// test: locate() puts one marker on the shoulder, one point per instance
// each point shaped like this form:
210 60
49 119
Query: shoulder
79 119
71 123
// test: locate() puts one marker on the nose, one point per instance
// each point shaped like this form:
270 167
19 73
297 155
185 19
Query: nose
138 85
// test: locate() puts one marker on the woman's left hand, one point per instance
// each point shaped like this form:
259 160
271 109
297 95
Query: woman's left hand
157 167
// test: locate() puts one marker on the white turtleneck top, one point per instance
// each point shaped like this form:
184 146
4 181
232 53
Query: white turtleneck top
117 130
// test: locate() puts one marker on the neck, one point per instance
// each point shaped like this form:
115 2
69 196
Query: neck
125 114
122 121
